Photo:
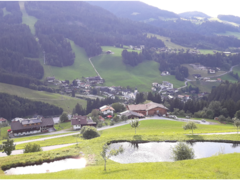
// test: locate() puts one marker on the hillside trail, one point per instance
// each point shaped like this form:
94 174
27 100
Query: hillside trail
189 80
94 68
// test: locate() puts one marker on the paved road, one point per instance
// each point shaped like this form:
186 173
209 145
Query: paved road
47 148
94 68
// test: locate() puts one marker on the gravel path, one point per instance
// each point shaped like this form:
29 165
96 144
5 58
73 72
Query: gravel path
47 148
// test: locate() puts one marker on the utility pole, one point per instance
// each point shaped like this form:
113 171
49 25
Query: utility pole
44 57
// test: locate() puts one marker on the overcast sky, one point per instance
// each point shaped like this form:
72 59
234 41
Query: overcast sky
210 7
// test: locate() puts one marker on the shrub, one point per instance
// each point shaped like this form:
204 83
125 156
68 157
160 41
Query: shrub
182 152
112 123
89 132
32 148
100 124
105 123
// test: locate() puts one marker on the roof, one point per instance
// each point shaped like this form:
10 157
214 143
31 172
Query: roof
104 108
129 113
17 125
81 120
2 119
144 107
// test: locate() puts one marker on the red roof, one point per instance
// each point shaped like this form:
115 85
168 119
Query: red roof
9 130
2 119
109 116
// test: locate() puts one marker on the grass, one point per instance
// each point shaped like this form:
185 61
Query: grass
237 69
63 101
207 51
204 86
26 19
229 33
65 125
5 12
81 67
168 43
229 78
115 73
220 167
3 132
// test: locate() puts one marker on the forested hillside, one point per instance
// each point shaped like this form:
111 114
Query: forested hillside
230 18
14 106
134 10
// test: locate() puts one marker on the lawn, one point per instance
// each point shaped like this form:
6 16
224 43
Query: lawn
229 33
26 19
3 132
115 73
229 78
237 69
220 167
81 67
207 51
167 42
5 12
63 101
204 86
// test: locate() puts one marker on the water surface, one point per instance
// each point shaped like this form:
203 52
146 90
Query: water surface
161 151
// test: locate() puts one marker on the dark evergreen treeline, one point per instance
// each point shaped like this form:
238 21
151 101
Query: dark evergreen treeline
134 58
14 106
15 63
230 18
206 28
170 61
88 26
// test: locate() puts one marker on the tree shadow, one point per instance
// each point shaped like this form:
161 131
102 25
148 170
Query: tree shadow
116 171
137 137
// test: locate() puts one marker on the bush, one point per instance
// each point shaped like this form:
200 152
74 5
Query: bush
221 118
32 148
182 152
89 132
105 123
100 124
112 123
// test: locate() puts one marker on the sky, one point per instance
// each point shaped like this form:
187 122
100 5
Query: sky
210 7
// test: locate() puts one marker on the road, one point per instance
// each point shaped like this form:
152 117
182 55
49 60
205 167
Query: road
94 68
47 148
188 80
104 128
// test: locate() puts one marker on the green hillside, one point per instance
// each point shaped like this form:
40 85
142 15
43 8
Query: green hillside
115 73
26 19
228 33
65 102
81 66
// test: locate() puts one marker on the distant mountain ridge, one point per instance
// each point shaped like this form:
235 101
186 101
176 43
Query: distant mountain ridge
229 18
134 10
193 14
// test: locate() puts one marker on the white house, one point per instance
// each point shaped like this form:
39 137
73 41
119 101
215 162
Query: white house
168 85
165 73
107 110
212 71
3 121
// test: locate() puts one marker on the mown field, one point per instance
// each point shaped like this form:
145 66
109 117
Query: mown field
63 101
80 68
26 19
115 73
204 86
218 167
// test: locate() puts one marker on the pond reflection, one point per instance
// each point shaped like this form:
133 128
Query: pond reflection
160 152
55 166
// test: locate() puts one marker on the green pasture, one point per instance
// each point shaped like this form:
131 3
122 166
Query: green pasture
26 19
5 12
218 167
80 68
116 73
204 86
63 101
229 78
207 51
229 33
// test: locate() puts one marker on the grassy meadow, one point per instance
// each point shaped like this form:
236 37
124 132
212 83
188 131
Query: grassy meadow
229 33
26 19
204 86
115 73
63 101
5 12
81 67
220 167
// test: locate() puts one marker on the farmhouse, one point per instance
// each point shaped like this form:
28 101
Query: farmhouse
212 71
131 114
167 85
165 73
32 126
80 121
149 109
106 110
3 121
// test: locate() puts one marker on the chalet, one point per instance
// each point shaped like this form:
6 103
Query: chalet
165 73
131 114
50 79
80 121
153 89
107 110
156 84
3 121
212 71
149 109
168 85
32 126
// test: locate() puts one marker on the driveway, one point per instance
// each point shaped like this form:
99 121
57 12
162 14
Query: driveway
47 148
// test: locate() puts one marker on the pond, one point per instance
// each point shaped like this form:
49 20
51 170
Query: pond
55 166
161 151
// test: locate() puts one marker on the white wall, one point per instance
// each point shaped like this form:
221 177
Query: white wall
107 112
75 127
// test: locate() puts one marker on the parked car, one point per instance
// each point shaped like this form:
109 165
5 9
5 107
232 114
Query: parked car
172 116
203 120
